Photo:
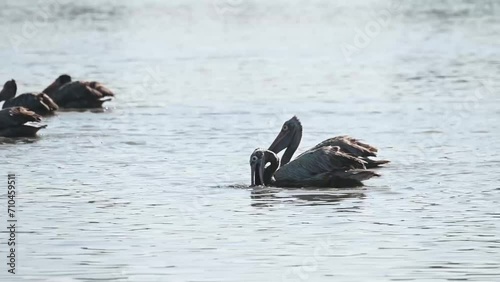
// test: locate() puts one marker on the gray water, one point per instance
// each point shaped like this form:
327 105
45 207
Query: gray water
155 187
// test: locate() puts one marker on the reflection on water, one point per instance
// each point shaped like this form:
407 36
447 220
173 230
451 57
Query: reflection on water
155 187
21 140
269 197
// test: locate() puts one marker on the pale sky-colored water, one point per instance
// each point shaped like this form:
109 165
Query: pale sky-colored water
155 188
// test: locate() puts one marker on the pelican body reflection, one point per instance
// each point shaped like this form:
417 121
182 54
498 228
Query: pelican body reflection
273 196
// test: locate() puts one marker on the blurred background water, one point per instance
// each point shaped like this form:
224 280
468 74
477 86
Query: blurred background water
155 187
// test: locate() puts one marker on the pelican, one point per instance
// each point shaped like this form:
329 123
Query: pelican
19 122
39 103
326 166
78 94
291 134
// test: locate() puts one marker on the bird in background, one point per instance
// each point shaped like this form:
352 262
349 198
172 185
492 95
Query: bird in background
39 103
70 94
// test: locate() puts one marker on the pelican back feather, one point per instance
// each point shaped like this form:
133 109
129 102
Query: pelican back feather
316 162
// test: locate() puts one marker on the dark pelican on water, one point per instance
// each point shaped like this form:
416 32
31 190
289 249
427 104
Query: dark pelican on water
325 166
291 134
336 162
19 122
78 94
39 103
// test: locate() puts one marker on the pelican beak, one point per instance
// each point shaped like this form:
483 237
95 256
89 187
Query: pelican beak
51 88
257 172
262 167
252 167
54 84
281 141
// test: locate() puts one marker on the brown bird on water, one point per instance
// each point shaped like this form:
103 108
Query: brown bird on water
19 122
78 94
336 162
39 103
326 166
291 134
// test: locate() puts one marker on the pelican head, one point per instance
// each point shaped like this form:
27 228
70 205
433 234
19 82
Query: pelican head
60 81
9 90
63 79
289 138
258 161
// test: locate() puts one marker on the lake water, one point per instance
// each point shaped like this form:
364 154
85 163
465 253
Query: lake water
155 187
